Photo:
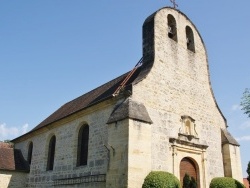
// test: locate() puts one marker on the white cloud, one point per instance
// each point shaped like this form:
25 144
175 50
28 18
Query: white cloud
235 107
7 132
243 138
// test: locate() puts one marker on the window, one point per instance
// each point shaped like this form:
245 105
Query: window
51 153
190 39
30 150
83 142
172 31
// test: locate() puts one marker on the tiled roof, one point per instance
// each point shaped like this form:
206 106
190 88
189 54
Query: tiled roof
130 109
227 138
12 159
93 97
83 101
246 183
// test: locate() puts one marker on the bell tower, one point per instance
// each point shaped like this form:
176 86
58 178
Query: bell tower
174 85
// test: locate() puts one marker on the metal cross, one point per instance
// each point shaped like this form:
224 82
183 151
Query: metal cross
174 3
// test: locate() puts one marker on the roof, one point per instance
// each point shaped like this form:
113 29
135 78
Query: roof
12 159
246 183
130 109
227 138
93 97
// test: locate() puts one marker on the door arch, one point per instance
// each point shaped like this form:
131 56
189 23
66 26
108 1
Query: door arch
189 166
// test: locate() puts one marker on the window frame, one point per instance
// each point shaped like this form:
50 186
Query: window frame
83 145
51 153
190 39
172 28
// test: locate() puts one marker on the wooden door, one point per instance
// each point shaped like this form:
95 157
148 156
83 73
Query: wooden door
188 166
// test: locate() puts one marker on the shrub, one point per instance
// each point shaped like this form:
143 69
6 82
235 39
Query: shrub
186 181
160 179
193 183
225 182
189 182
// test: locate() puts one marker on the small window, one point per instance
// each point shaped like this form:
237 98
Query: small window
172 31
83 142
190 39
30 150
51 153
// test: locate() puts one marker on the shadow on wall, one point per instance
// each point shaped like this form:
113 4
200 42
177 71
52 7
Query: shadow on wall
13 167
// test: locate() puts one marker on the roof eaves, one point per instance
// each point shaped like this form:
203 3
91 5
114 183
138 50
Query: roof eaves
90 105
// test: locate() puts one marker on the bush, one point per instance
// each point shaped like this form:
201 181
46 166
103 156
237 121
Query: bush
225 182
189 182
186 181
193 183
160 179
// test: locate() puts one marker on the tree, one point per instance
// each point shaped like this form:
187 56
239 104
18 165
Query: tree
189 182
248 172
193 183
186 181
245 102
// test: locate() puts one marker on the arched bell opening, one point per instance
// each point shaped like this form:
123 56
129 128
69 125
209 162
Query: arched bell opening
190 39
172 29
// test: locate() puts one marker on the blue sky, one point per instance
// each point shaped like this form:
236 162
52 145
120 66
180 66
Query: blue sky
54 51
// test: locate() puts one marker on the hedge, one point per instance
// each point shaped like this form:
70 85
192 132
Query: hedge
225 182
160 179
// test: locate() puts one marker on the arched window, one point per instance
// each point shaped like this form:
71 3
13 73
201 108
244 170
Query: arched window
190 39
30 150
172 31
83 143
51 153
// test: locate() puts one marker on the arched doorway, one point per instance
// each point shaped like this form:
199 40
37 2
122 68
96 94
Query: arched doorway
190 167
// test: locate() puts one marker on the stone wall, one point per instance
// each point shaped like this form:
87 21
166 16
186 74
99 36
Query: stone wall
66 132
139 153
232 161
178 84
12 179
236 163
118 149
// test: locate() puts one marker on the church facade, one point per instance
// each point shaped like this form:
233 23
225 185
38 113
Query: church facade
160 116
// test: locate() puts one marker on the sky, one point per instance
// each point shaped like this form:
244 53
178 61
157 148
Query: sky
52 51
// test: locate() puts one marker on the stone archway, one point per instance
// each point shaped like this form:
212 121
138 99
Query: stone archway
189 166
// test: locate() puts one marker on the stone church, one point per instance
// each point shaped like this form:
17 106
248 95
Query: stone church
160 116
